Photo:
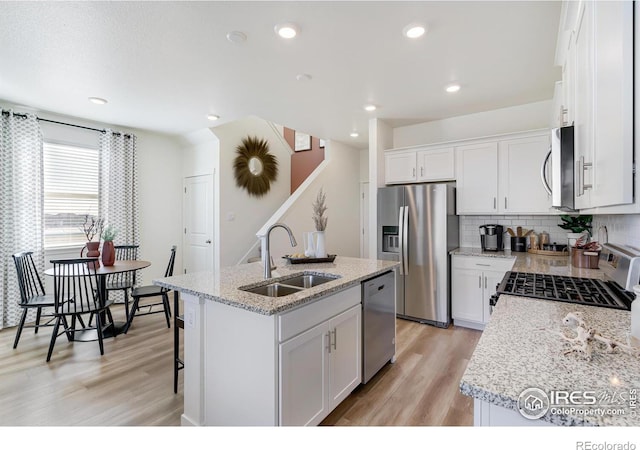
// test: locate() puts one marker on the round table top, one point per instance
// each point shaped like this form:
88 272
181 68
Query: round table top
118 267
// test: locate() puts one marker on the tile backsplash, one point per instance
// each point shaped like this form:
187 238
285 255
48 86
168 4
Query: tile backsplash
622 229
470 235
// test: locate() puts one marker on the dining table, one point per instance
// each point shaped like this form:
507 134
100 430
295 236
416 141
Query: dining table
119 266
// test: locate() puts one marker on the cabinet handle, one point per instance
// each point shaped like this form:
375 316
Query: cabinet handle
414 172
335 339
495 200
505 203
581 166
480 281
483 265
485 282
329 341
421 171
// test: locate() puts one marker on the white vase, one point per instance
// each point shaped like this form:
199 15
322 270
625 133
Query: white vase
321 250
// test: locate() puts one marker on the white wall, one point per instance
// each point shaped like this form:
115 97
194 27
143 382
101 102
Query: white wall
242 215
159 184
530 116
622 229
342 189
364 166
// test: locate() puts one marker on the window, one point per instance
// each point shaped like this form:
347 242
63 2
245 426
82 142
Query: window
70 193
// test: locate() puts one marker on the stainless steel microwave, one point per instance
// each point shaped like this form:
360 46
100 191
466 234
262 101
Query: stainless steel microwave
561 187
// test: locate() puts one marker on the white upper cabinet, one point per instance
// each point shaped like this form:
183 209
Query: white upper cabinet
597 78
520 186
421 164
400 167
477 170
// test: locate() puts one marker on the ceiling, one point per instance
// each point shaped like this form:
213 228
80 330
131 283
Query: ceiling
164 66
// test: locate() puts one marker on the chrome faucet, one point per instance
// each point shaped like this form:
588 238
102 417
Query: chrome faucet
266 254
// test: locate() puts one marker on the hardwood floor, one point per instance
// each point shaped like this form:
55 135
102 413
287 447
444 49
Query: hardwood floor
132 384
421 388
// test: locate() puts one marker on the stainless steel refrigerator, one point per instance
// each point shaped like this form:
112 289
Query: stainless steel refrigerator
417 226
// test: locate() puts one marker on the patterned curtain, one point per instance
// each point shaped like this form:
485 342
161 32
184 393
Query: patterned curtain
21 205
118 203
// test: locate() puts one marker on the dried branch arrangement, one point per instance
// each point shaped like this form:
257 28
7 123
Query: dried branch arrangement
587 339
92 226
319 209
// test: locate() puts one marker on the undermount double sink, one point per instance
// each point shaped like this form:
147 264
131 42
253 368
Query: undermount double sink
290 285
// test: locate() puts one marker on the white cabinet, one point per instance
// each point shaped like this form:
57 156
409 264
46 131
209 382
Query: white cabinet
473 282
598 83
436 164
503 176
319 368
477 171
421 164
400 167
520 188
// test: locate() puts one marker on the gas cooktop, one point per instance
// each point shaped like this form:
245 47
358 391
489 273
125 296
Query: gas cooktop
584 291
618 263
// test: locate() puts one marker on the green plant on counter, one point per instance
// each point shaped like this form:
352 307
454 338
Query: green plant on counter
109 233
576 224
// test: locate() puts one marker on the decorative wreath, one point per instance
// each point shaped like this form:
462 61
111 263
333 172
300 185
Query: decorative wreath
257 184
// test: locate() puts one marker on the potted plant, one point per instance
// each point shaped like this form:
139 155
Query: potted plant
578 226
108 251
91 227
585 254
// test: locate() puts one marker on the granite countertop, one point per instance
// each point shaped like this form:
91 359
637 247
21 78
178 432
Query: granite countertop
223 285
520 348
535 263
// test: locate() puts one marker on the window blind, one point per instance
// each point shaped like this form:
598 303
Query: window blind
70 193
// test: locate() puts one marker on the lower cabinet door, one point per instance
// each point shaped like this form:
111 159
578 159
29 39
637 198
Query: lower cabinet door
491 280
345 360
304 371
466 295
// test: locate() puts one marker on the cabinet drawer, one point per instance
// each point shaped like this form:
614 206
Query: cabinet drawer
482 263
307 316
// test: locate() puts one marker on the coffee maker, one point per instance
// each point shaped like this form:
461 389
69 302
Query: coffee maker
491 237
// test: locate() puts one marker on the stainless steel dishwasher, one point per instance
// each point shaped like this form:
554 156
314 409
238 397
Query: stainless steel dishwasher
378 324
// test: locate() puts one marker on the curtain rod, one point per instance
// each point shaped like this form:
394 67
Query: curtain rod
24 116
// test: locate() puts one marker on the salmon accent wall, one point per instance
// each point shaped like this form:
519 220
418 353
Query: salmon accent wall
304 162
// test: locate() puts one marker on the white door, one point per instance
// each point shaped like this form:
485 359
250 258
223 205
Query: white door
303 377
198 223
345 361
364 220
477 173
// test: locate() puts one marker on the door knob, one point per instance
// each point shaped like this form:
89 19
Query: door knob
208 241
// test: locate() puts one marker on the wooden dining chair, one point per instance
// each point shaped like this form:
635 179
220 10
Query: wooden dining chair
32 294
76 291
123 281
152 291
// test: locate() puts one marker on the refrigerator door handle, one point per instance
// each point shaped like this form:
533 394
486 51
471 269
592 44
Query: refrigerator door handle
401 237
405 243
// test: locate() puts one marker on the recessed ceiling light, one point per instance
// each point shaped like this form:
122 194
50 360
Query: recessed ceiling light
212 117
98 100
237 37
370 108
414 30
303 77
354 134
287 30
452 88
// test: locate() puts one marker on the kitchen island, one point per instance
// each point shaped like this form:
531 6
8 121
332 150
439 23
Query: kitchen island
520 349
252 359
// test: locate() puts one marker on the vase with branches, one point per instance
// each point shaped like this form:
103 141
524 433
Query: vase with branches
320 221
92 225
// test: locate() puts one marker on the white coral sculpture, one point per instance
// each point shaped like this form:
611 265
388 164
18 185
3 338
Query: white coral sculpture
586 337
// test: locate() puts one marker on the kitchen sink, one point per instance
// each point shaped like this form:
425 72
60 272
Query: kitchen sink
291 285
273 290
308 280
